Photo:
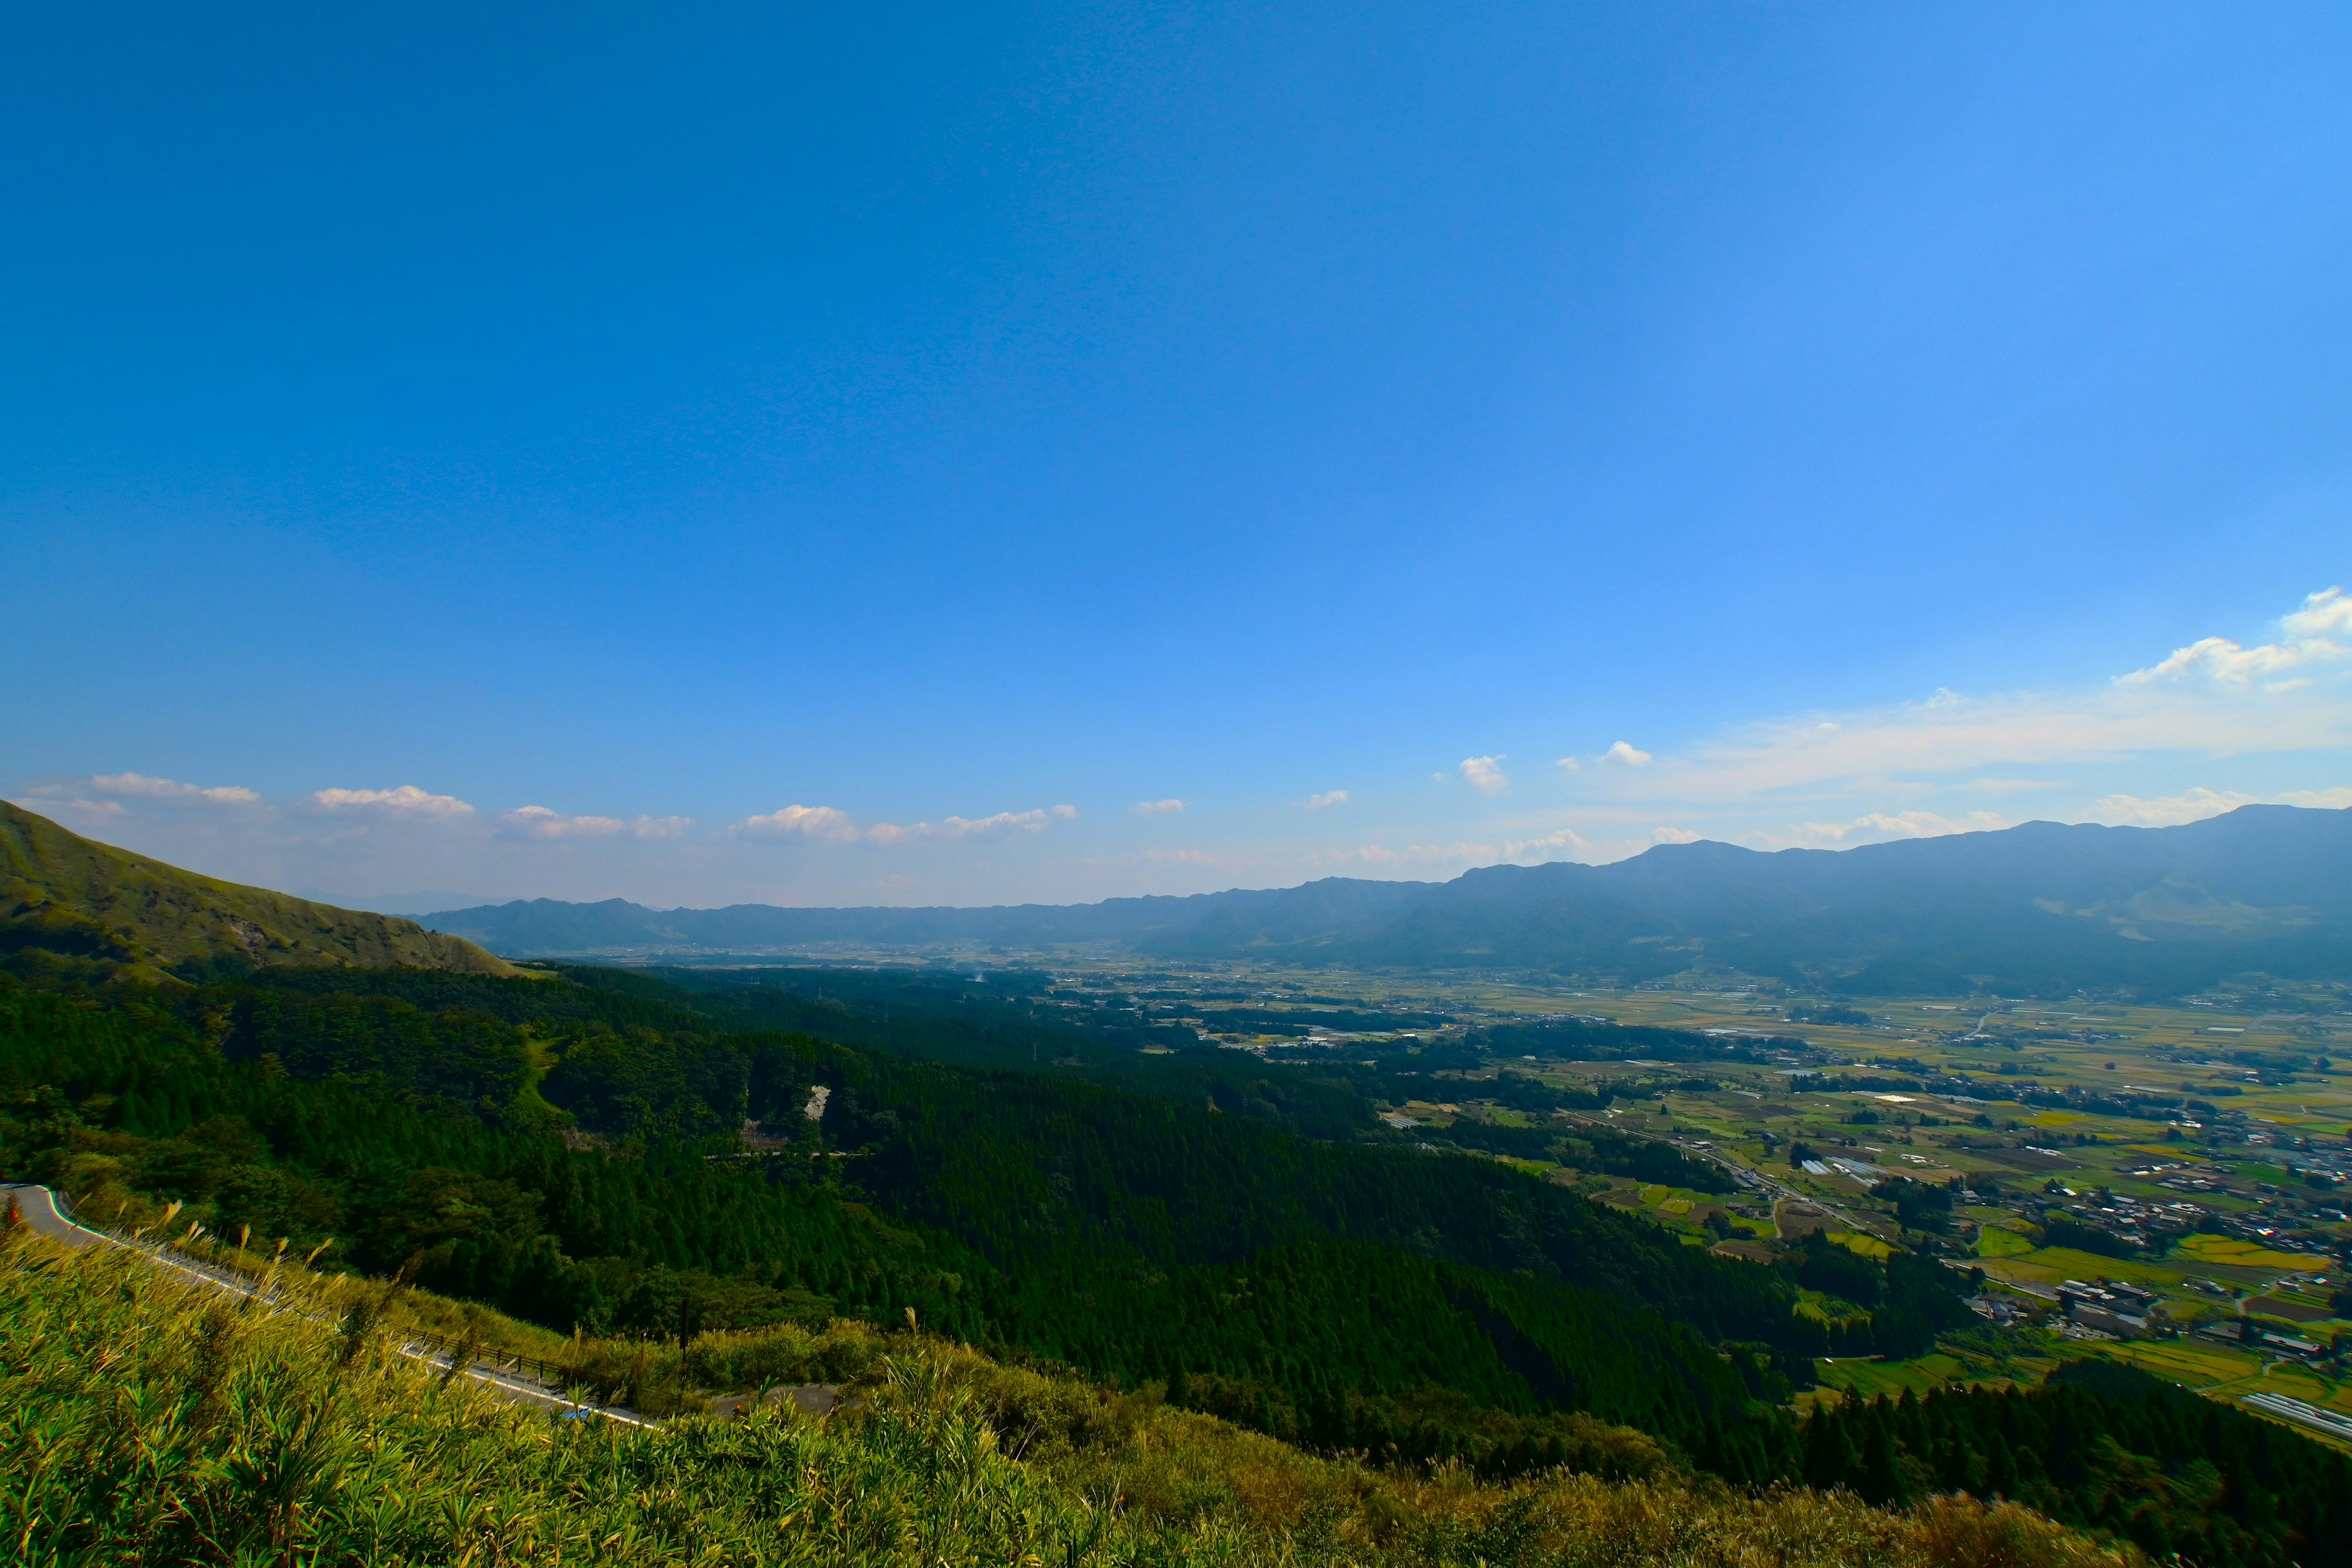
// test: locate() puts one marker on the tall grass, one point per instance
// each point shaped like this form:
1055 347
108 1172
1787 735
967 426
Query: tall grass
144 1419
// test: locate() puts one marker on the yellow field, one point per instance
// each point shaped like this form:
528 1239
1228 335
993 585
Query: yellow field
2049 1264
2231 1252
2191 1364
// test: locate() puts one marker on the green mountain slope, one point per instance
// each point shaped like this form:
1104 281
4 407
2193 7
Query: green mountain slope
71 905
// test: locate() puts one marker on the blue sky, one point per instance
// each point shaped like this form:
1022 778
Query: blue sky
733 454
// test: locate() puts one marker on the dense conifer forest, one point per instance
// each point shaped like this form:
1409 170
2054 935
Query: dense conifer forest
2108 1448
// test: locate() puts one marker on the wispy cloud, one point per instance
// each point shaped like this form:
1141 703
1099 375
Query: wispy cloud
79 806
142 786
2010 786
1327 800
2202 703
2168 811
830 822
405 801
539 822
1157 807
1675 835
99 798
1456 854
1034 821
1878 826
1484 775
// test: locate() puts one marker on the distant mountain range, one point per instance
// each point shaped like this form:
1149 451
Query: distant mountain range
2041 909
70 906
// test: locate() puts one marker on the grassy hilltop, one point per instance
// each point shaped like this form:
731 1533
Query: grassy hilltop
68 904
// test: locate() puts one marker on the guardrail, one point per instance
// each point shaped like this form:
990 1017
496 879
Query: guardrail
554 1374
483 1362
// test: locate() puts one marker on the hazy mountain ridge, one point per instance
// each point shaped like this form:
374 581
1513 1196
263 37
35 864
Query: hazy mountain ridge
2044 906
66 901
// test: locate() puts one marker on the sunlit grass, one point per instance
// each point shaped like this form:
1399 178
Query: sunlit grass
147 1420
1995 1241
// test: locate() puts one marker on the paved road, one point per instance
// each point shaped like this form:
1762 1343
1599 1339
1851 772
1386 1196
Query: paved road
39 1208
1746 1175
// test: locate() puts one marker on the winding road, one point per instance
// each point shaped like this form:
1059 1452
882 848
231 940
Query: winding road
41 1212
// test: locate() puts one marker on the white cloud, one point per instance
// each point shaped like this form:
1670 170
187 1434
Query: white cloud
1674 835
1573 764
405 801
2337 799
1625 755
808 821
142 786
1158 807
1542 847
2306 637
539 822
1484 774
1327 800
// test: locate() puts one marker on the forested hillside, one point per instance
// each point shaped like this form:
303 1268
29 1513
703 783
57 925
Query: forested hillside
611 1150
